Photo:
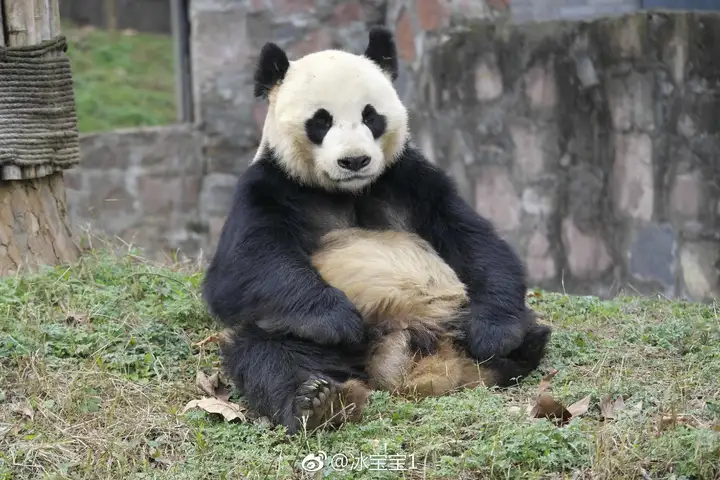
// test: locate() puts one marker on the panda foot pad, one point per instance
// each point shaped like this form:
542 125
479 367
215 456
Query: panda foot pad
317 401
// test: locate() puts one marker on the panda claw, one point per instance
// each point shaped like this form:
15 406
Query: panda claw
315 398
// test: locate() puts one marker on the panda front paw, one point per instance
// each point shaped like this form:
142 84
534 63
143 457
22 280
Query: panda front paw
349 326
491 334
339 322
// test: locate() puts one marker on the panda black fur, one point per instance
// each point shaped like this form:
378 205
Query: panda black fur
335 157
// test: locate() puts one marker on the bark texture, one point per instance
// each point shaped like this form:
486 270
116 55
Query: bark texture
34 225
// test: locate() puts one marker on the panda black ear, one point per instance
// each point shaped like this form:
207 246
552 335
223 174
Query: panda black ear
271 69
381 50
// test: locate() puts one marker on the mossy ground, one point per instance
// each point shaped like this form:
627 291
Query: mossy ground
97 360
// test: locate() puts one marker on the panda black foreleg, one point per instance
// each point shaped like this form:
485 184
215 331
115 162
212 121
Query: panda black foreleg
485 263
497 317
284 378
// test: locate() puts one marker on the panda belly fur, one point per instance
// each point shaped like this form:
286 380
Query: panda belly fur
413 302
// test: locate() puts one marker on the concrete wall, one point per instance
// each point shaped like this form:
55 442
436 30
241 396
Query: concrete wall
592 146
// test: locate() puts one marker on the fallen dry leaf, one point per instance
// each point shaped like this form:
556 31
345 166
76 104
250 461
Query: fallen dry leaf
230 411
671 421
635 410
25 410
206 384
545 383
580 407
212 385
75 319
210 339
548 407
222 392
609 409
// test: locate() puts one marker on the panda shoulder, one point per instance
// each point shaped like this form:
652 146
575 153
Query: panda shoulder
263 184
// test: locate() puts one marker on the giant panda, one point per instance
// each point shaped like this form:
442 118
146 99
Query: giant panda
335 180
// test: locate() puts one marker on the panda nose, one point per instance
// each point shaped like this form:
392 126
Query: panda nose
354 163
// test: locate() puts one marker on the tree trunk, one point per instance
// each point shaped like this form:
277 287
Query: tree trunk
34 225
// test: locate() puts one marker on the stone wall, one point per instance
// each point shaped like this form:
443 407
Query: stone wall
593 147
590 145
142 186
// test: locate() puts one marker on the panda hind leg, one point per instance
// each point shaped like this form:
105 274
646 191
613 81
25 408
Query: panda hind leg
444 372
297 384
450 369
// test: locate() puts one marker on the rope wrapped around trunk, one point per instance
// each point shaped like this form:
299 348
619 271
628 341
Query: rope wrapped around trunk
38 122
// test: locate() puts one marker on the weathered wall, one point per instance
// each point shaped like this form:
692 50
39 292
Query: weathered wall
142 186
592 146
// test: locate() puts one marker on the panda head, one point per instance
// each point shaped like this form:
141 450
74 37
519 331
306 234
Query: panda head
334 118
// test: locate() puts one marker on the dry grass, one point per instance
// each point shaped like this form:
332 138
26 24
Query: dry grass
97 359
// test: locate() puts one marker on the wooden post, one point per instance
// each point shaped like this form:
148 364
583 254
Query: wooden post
34 225
2 29
110 8
181 46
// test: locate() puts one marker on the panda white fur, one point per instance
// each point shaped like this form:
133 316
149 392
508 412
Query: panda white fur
350 262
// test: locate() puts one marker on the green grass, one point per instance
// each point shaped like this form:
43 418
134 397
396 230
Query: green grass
97 360
121 80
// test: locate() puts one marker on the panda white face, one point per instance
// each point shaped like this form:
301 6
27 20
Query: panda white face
334 119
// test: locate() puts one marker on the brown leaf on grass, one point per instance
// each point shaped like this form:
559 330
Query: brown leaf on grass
164 462
210 339
548 407
634 410
212 385
75 319
222 392
545 383
206 384
24 410
671 421
580 407
609 409
230 411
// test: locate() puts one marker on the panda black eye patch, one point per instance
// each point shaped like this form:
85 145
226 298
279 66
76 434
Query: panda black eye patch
317 126
374 121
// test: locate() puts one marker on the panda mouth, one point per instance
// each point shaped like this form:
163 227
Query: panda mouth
354 177
351 178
